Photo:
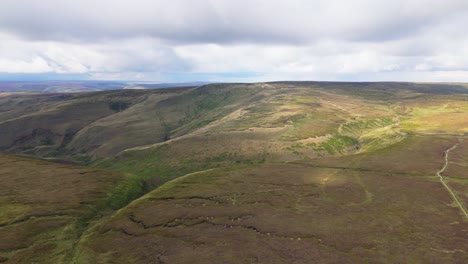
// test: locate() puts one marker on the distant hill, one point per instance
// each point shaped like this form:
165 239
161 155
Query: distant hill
84 86
163 85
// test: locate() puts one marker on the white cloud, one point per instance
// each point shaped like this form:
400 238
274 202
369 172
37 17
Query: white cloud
316 39
34 65
20 56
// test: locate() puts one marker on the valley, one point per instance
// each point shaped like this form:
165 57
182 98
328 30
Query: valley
278 172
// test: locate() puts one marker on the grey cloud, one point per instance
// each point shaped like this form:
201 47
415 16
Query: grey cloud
223 21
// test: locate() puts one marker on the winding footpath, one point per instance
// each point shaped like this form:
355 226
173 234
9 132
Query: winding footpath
441 178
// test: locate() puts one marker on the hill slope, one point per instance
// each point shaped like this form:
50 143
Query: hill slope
45 207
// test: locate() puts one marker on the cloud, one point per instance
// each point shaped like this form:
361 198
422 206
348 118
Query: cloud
253 40
138 55
223 21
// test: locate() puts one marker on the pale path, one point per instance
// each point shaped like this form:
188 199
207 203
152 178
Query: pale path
446 186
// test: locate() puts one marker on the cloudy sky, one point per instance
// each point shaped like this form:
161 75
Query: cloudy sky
234 40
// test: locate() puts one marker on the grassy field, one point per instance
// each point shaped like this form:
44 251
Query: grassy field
439 116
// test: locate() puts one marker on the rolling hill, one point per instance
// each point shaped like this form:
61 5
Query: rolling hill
282 172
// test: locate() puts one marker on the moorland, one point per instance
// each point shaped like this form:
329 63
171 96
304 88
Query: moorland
279 172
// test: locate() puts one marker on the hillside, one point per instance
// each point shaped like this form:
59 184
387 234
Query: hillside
45 207
282 172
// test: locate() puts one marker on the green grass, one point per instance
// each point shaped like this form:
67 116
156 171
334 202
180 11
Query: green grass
438 117
157 165
125 192
337 144
361 126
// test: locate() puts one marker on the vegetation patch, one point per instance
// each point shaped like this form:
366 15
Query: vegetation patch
360 127
443 118
45 206
337 144
119 106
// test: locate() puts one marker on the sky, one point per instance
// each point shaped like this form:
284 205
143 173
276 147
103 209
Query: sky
234 40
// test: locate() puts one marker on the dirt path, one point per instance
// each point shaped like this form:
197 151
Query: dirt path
441 178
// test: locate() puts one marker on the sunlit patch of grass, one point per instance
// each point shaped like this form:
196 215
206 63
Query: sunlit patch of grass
443 118
10 211
380 138
373 134
360 127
